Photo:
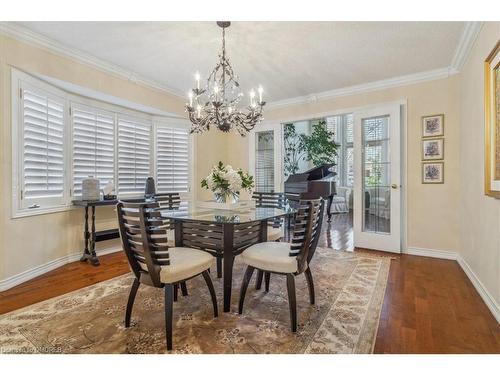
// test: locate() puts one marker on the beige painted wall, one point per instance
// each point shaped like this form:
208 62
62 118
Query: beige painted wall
29 242
479 225
432 218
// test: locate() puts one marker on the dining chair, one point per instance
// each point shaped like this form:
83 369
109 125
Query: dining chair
168 201
144 237
288 258
275 230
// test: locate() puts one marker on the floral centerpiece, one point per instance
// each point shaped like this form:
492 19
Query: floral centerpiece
226 183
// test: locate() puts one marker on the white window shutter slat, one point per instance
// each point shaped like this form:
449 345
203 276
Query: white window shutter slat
93 146
172 159
43 145
134 155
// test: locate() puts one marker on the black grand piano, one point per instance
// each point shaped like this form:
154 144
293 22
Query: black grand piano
316 181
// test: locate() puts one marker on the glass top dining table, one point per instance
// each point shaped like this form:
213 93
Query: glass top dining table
247 212
224 233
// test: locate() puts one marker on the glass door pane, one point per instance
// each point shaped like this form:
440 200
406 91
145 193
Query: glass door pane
376 176
264 161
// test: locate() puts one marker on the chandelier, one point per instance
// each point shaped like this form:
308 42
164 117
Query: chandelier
217 104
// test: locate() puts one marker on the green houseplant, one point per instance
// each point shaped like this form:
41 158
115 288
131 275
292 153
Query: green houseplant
319 147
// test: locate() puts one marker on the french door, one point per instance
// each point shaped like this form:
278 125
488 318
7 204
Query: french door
266 161
377 179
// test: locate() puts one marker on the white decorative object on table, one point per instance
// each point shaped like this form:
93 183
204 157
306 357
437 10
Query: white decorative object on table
109 188
226 183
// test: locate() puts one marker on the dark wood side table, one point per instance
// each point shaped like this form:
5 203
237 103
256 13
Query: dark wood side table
92 236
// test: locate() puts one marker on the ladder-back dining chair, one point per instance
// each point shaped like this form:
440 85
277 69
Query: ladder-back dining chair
168 201
288 258
275 230
144 237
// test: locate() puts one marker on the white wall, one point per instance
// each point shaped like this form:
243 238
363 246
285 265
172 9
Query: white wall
432 209
479 215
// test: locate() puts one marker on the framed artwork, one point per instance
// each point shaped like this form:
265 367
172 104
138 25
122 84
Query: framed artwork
492 123
433 126
433 173
433 149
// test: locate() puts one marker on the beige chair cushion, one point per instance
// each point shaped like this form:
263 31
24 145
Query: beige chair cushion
274 234
184 263
270 256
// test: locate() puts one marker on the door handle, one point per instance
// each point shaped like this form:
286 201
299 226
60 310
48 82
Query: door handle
394 186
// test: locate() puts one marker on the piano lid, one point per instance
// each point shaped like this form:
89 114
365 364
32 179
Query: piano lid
316 173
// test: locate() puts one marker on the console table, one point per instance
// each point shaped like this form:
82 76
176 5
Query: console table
92 236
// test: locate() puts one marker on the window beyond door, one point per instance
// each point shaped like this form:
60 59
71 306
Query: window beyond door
264 161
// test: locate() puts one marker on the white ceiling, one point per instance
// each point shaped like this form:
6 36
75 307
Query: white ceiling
290 59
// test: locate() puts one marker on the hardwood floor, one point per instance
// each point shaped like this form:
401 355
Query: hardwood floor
430 305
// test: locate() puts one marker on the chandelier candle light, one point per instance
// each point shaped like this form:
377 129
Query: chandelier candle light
217 104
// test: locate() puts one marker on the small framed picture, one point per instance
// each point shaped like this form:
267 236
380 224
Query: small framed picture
433 126
433 173
433 149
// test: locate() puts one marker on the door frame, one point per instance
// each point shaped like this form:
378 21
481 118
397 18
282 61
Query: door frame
390 242
403 105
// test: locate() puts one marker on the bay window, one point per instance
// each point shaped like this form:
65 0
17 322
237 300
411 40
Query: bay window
58 139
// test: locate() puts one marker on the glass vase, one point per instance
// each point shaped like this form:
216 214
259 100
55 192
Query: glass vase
227 197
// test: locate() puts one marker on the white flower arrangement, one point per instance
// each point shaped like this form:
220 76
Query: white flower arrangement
226 182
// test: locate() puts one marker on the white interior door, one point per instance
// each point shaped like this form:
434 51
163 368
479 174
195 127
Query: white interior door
266 159
377 179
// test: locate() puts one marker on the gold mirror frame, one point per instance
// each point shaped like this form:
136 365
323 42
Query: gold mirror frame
492 123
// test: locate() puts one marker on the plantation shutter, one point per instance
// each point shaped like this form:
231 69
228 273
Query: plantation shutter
172 159
134 160
93 146
42 116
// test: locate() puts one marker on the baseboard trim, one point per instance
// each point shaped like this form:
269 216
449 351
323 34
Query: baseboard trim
486 296
22 277
423 252
481 289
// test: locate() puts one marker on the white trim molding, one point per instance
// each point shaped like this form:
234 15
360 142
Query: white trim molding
431 253
486 296
25 35
24 276
409 79
467 40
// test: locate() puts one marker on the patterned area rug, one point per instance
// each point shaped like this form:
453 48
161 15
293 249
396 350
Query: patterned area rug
349 294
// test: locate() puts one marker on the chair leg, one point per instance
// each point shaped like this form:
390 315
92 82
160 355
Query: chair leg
169 310
310 285
176 292
130 303
219 267
267 279
244 285
290 286
211 289
258 283
184 288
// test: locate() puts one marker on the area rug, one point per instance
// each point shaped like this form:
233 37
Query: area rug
349 294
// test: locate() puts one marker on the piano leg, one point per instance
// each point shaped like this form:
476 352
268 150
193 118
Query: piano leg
328 212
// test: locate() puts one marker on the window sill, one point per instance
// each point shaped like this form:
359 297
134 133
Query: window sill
41 211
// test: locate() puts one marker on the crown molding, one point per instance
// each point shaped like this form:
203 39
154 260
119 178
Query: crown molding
409 79
465 44
23 34
469 35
